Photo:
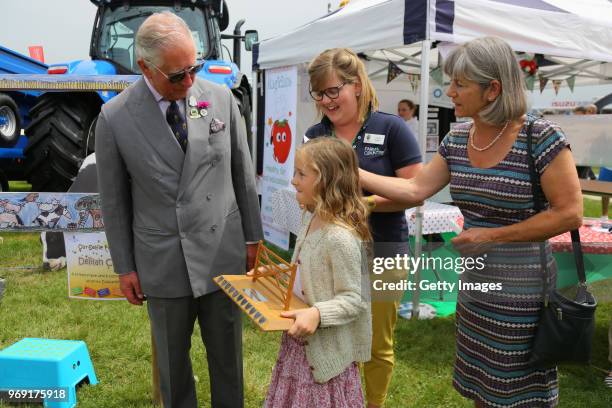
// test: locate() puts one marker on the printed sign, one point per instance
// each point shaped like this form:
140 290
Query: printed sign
279 146
90 268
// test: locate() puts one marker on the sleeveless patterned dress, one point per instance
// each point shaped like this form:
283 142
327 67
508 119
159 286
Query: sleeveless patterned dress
495 328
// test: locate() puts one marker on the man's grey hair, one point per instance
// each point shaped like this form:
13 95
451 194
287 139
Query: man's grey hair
483 60
159 32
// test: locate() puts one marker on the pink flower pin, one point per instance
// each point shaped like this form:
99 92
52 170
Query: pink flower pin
203 104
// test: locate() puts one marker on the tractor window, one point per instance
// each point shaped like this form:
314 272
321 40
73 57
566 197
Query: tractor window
119 26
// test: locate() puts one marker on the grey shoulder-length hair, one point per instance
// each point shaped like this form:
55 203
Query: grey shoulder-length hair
483 60
160 31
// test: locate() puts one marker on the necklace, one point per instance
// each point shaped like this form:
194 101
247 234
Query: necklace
482 149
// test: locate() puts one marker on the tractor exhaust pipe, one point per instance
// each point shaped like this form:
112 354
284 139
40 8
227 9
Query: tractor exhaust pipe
237 39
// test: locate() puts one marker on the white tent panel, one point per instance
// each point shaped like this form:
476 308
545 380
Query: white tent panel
557 27
596 10
372 24
565 28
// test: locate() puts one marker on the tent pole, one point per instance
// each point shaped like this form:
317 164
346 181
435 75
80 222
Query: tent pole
254 89
423 108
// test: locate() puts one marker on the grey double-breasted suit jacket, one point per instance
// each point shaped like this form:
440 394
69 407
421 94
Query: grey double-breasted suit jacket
177 219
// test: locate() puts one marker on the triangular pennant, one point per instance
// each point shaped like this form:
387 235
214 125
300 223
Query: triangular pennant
570 82
393 72
556 85
543 82
530 82
437 75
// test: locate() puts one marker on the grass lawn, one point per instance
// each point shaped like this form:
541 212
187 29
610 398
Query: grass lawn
118 337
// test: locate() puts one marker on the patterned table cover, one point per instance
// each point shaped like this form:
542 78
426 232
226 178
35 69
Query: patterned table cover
286 210
437 218
593 241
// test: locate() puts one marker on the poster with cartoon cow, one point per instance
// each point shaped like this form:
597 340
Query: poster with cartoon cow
279 146
49 211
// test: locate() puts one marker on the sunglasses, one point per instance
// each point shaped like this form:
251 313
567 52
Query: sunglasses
332 92
177 77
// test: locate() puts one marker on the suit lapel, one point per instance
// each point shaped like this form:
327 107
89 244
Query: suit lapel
198 130
154 127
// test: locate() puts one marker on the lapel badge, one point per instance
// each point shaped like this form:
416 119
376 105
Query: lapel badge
192 101
202 107
194 113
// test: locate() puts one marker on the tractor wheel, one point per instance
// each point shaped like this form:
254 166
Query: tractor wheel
10 122
58 139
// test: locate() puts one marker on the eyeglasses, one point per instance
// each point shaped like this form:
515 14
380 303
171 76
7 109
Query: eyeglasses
177 77
332 92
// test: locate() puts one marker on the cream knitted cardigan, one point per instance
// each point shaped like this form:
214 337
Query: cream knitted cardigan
331 277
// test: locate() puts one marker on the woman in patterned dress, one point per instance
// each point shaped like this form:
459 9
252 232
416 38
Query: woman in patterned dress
485 162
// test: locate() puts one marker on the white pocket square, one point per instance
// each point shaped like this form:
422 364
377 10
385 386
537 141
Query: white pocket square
216 126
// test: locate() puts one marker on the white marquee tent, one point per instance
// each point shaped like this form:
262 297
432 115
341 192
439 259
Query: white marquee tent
577 34
391 30
565 28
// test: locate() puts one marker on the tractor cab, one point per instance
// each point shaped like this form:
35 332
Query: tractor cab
62 131
117 21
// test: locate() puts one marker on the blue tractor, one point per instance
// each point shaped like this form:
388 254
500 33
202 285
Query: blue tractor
14 114
61 131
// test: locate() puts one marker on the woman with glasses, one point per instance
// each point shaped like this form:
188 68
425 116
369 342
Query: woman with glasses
347 102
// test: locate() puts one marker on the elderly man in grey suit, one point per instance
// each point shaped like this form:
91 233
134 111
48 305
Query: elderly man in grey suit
180 207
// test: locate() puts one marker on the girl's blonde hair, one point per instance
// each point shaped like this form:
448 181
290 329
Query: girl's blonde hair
350 69
337 194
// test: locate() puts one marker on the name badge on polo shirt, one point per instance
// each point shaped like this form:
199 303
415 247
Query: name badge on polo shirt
373 138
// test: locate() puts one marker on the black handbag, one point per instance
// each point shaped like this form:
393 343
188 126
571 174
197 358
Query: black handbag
565 329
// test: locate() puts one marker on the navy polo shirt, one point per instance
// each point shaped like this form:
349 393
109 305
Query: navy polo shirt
384 144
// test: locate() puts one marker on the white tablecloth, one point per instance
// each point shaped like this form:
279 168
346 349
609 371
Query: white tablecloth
437 218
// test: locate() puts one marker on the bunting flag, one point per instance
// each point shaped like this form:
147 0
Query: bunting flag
393 72
556 85
414 80
570 82
530 81
437 75
543 82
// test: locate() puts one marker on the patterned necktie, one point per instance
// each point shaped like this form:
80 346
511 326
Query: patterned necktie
177 124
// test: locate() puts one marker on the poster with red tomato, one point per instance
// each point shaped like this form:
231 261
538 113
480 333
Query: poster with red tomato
281 140
279 146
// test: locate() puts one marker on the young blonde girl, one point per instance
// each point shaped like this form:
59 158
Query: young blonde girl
317 362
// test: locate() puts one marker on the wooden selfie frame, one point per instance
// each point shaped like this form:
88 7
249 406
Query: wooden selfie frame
266 292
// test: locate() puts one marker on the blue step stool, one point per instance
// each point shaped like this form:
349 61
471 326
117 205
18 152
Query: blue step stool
46 364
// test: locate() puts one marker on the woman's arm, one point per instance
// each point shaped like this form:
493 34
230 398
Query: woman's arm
562 190
409 193
384 204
